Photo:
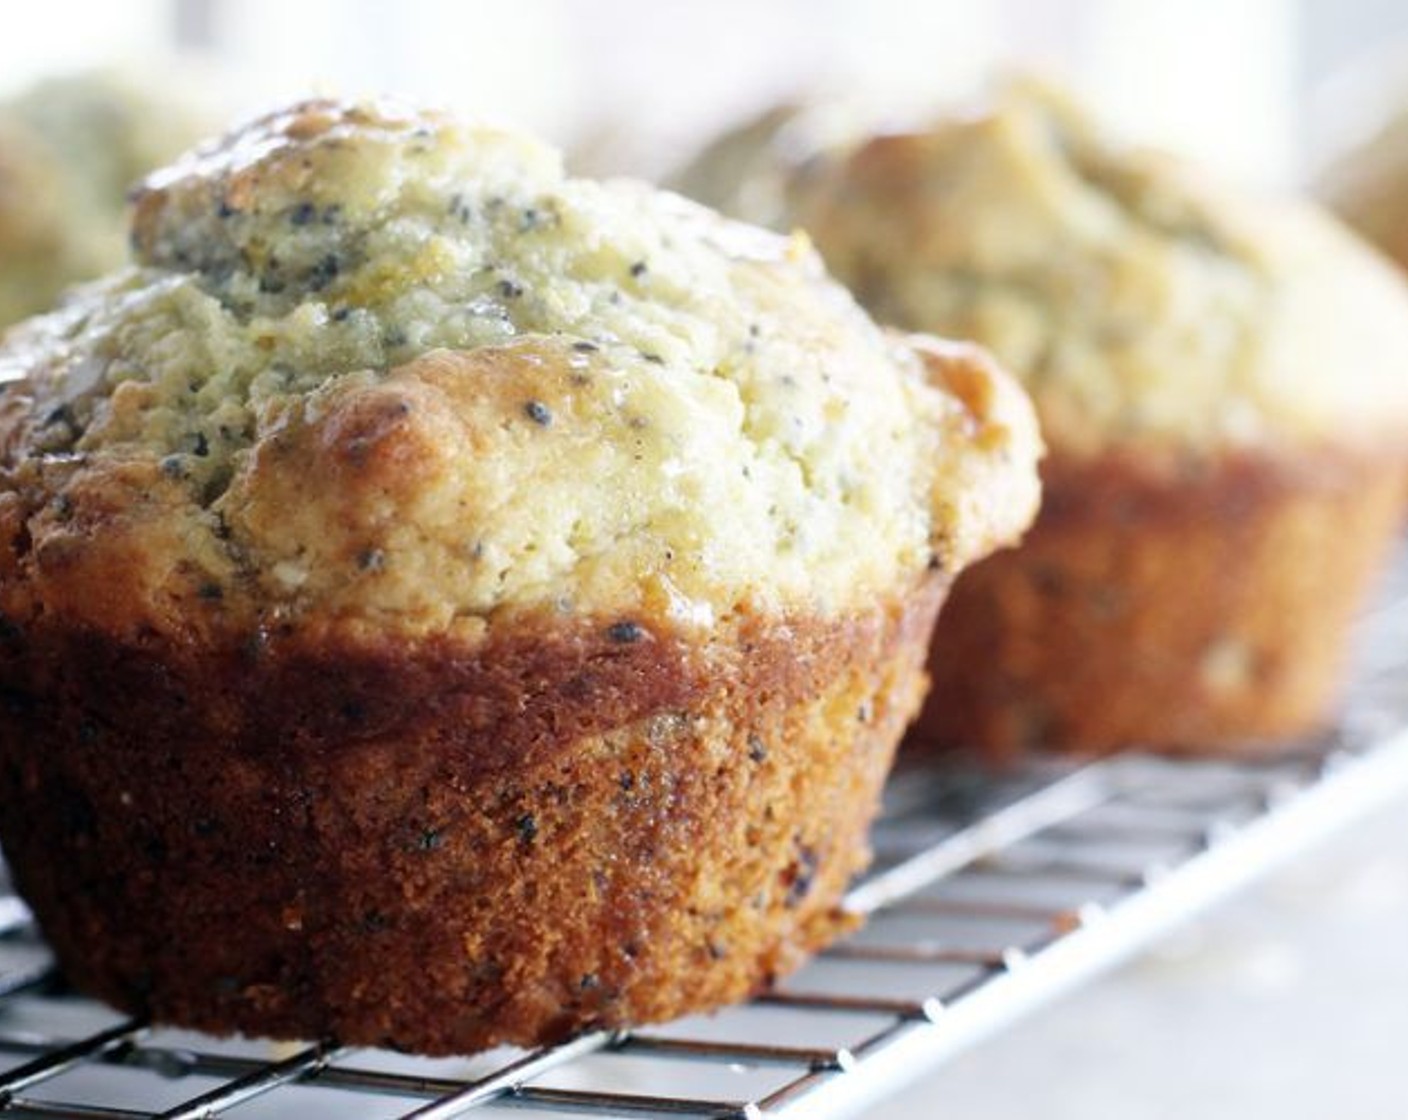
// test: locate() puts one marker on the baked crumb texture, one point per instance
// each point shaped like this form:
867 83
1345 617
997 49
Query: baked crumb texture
445 603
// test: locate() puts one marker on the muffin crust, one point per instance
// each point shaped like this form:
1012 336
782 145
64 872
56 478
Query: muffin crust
1199 614
445 849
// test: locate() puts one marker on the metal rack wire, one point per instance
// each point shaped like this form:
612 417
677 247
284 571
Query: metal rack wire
986 898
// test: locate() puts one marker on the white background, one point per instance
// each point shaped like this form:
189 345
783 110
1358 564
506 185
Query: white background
1255 87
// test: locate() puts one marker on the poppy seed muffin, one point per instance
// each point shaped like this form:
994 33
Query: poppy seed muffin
445 603
1222 381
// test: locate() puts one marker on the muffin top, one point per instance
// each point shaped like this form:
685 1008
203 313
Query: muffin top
1139 304
70 147
376 368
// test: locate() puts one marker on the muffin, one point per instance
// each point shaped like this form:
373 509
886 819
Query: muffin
69 149
445 603
1222 381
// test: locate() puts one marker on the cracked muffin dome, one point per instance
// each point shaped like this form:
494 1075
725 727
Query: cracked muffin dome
1221 381
460 604
70 147
600 396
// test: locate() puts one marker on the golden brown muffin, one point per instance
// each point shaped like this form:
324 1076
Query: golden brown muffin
445 603
1223 382
70 148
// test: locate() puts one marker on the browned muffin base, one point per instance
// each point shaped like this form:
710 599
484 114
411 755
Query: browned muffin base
1191 610
442 850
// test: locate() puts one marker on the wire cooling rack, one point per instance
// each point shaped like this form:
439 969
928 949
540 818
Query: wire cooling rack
986 898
